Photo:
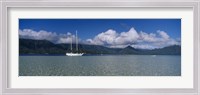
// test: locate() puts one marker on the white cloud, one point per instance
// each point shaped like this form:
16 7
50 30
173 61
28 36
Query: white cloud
148 37
45 35
143 40
112 38
118 46
163 34
28 33
129 37
144 46
109 38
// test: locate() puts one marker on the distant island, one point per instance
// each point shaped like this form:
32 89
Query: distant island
31 47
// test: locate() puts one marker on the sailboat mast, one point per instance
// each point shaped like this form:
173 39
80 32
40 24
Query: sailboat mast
76 42
71 43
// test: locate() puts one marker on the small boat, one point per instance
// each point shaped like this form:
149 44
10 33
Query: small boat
153 55
74 54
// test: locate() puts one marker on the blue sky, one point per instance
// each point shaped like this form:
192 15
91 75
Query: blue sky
105 31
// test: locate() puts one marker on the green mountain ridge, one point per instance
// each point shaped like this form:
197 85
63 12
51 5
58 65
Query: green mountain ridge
29 46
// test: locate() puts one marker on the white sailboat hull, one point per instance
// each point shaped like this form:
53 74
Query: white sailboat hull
74 54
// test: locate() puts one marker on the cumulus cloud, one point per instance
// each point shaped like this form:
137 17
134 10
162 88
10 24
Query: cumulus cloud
148 37
28 33
45 35
141 40
110 38
129 37
103 38
163 34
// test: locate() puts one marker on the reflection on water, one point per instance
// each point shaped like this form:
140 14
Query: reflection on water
123 65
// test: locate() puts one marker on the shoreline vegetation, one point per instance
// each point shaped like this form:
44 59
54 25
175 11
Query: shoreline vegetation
47 48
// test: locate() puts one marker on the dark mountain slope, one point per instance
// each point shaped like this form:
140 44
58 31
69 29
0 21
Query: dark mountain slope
28 46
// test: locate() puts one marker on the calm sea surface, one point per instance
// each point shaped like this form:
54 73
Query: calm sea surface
120 65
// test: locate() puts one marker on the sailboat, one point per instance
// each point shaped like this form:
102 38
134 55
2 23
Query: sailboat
74 54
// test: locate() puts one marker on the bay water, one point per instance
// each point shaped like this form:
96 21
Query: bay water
108 65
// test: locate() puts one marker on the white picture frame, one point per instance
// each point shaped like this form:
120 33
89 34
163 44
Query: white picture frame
4 48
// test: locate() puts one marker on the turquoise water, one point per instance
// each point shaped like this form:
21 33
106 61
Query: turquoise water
122 65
